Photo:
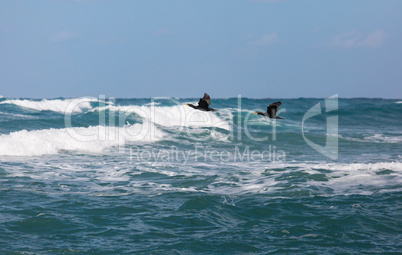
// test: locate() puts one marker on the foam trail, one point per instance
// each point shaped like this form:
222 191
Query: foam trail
384 139
396 166
17 115
377 138
171 116
76 105
399 102
362 178
92 139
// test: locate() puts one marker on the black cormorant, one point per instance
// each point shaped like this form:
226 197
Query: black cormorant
272 109
203 104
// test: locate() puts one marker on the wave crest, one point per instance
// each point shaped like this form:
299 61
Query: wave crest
76 105
171 116
93 139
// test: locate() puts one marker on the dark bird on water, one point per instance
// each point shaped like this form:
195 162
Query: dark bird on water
203 104
272 109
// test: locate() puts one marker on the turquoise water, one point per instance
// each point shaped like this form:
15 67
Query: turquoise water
153 176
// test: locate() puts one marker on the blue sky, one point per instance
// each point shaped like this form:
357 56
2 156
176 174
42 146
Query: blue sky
183 48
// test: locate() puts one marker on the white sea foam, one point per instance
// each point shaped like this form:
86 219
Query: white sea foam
92 139
278 179
19 116
172 116
377 138
342 178
395 166
358 178
76 105
384 139
398 102
152 104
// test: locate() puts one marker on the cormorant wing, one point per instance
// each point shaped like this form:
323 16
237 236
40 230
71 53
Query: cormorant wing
272 109
205 101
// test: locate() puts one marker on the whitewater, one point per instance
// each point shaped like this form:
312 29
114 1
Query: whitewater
154 176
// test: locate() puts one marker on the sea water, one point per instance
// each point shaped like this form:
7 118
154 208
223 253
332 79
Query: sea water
154 176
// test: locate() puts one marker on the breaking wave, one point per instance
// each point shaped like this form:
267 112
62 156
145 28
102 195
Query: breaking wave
172 116
76 105
90 140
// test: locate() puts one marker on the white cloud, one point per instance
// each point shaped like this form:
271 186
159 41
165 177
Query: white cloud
374 39
164 32
266 40
64 36
355 39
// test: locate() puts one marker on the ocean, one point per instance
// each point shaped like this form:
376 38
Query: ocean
99 175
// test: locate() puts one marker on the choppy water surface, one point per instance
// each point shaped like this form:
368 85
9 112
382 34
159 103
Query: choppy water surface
153 176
